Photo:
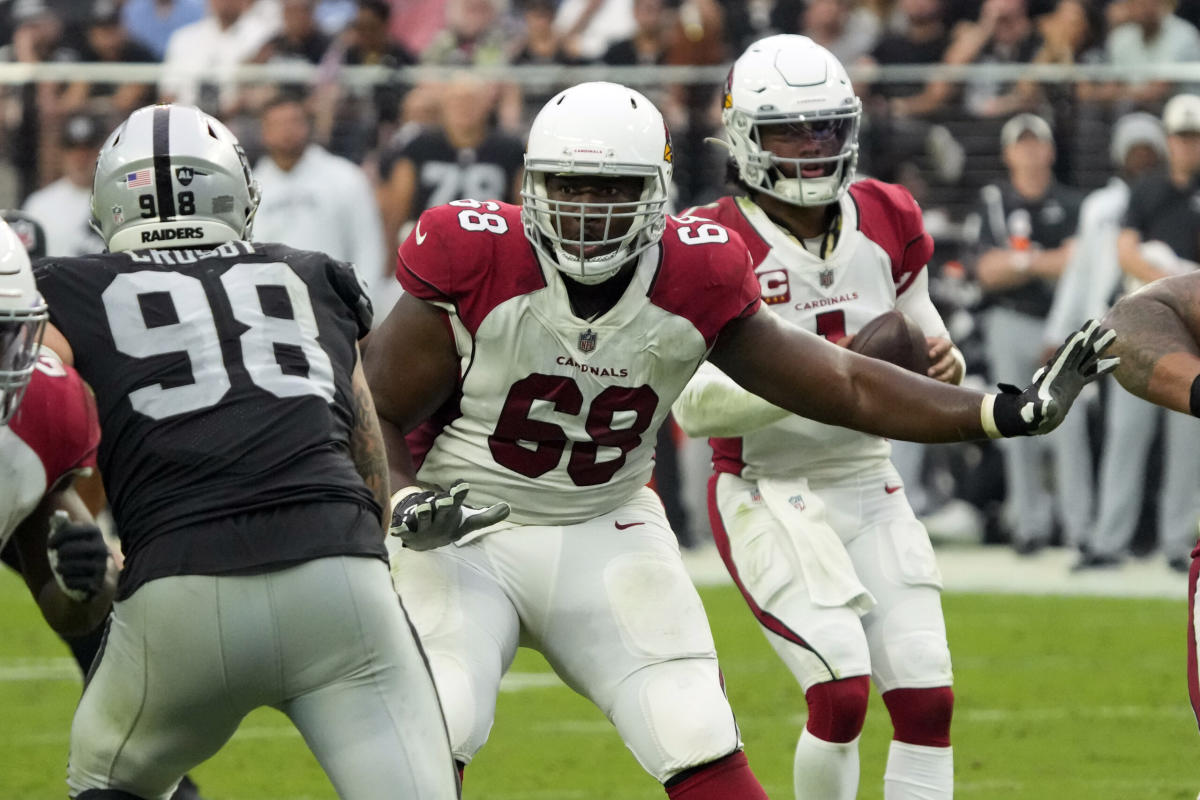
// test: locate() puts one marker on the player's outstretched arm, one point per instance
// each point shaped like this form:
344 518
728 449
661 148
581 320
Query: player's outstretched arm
66 563
799 371
411 366
1158 328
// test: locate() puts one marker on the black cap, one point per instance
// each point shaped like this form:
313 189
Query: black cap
82 130
28 230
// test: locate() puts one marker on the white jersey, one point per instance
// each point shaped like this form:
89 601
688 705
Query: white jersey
877 264
554 414
53 433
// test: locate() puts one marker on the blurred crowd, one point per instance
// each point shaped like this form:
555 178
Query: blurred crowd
1001 168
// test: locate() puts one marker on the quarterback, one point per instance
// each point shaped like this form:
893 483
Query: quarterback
811 519
534 354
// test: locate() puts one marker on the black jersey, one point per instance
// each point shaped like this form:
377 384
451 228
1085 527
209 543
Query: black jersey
223 381
1005 216
1161 211
446 173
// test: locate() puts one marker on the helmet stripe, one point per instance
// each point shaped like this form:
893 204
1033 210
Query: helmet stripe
162 162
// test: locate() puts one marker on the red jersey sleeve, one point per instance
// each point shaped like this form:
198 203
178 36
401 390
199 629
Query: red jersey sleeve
57 419
889 216
709 282
472 258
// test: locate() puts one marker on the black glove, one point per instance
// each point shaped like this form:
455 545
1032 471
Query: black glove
429 518
78 557
1041 406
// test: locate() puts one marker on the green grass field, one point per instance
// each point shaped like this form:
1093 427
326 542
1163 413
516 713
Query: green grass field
1058 699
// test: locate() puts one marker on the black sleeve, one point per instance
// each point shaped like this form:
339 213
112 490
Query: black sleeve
350 288
1138 212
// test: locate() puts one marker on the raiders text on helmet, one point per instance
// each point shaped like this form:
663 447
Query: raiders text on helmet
172 176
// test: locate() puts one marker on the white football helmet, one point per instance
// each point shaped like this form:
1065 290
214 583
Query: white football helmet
596 129
23 317
172 176
792 80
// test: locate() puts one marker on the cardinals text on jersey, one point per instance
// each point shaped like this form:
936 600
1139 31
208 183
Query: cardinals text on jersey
879 257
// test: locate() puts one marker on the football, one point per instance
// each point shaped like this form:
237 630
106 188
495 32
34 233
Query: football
895 338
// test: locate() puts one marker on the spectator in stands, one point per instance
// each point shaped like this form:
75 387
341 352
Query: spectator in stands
464 157
64 208
201 57
299 39
1024 229
1003 34
1153 35
150 23
475 35
107 41
37 38
898 131
314 200
591 26
841 27
414 23
354 121
747 22
540 44
1158 239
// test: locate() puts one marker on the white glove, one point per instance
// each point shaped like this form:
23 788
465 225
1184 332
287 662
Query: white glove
429 518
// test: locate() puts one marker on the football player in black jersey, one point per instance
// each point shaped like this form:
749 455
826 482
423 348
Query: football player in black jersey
242 457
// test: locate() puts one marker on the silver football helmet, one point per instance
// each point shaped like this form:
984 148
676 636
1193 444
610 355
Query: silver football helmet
172 176
792 80
596 129
23 317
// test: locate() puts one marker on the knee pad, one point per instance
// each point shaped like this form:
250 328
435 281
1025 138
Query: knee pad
921 716
674 716
836 709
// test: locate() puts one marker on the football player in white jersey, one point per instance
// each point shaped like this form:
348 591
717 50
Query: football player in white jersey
810 519
48 435
535 353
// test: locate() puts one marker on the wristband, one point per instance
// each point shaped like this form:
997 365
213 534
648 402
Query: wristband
400 495
987 417
1194 400
1000 414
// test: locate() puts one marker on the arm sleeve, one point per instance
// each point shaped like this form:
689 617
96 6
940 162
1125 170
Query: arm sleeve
916 304
713 405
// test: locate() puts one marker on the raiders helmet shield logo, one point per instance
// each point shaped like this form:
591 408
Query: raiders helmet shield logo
826 278
184 175
587 341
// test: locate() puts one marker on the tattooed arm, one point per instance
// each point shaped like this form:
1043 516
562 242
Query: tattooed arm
366 442
1158 340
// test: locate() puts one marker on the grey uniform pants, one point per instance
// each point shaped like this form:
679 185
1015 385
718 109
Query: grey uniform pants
326 642
1129 431
1014 343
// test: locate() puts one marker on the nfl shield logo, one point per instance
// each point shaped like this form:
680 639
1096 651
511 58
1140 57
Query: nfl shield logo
587 341
826 278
